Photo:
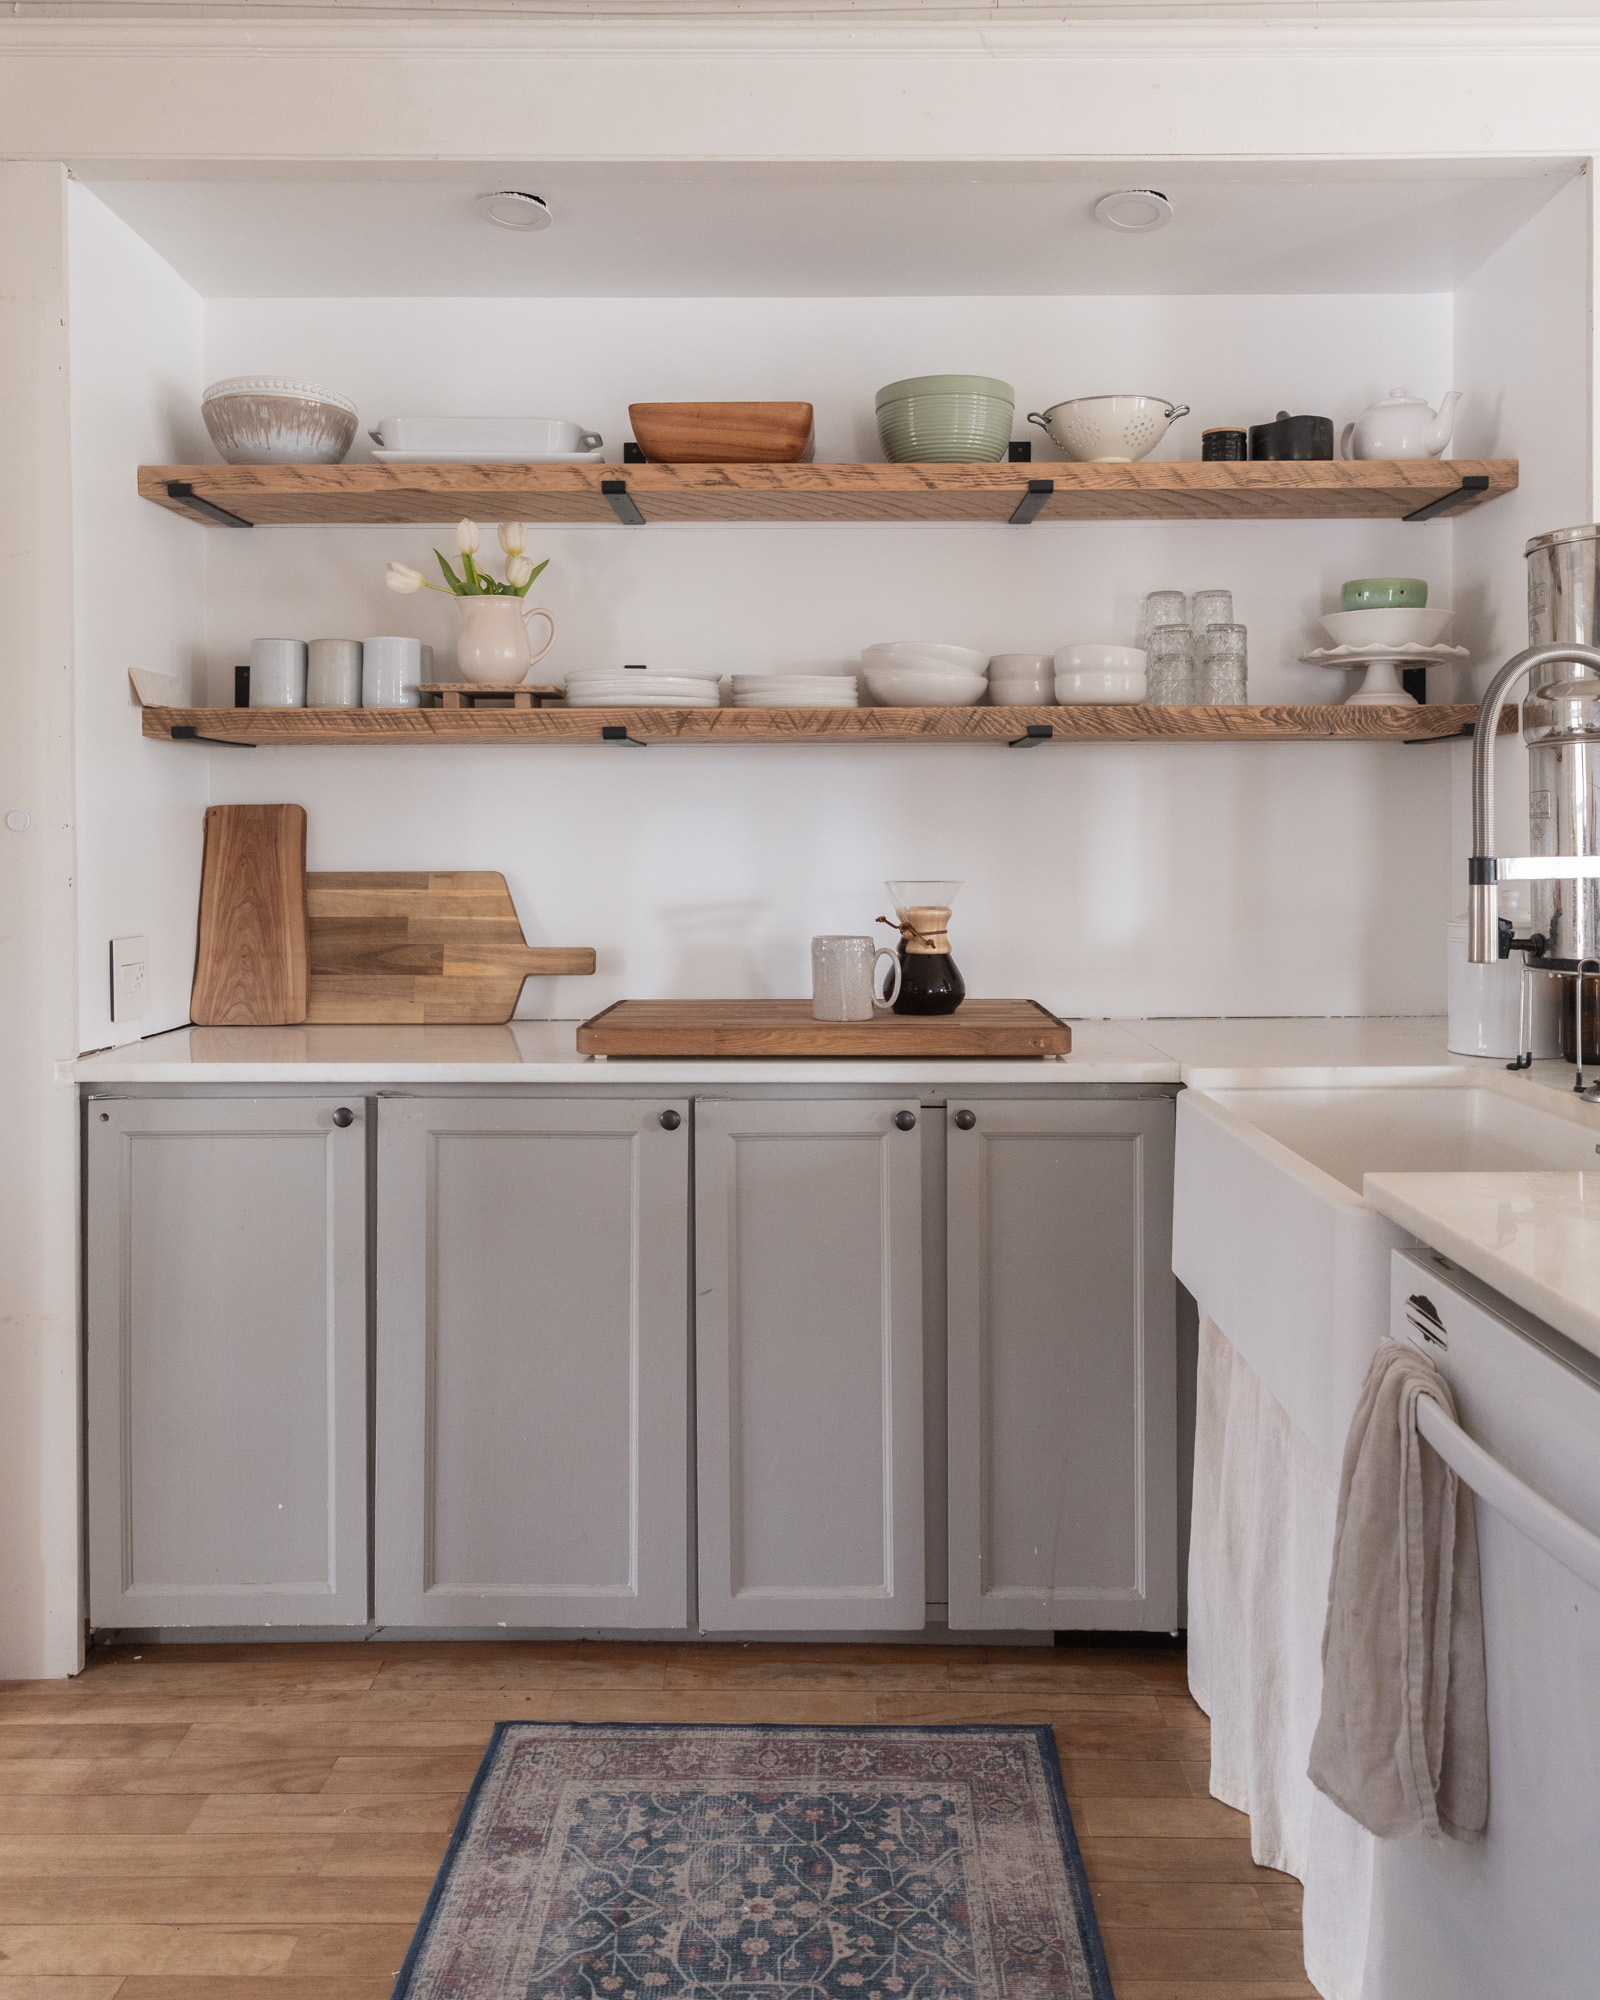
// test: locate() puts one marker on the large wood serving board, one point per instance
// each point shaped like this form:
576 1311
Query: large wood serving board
250 955
785 1028
445 946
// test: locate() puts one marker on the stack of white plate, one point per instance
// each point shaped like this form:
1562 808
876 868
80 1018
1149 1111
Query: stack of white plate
795 691
641 687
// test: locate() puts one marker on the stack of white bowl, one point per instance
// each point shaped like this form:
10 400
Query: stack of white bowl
782 690
641 687
1022 680
919 673
1093 674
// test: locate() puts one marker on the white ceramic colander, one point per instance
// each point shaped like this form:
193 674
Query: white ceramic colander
1114 430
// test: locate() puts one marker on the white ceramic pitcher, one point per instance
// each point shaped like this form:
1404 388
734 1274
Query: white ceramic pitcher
494 648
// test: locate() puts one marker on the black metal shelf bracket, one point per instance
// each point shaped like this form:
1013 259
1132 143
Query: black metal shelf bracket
621 502
1470 487
185 732
181 491
1036 732
615 733
1031 505
1466 729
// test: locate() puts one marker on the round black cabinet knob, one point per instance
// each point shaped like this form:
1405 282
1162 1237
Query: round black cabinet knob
344 1116
905 1120
965 1120
671 1120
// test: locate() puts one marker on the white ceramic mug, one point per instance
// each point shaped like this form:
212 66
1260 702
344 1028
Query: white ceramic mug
333 673
391 673
277 673
844 973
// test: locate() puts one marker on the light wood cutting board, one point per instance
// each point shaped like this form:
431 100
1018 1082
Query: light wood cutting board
785 1028
250 956
422 948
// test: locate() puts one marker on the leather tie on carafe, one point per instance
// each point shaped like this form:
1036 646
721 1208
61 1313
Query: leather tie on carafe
932 943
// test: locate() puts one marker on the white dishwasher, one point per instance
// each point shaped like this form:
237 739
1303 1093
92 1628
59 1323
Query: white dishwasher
1515 1916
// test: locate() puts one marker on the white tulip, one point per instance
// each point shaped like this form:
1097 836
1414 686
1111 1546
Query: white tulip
513 537
401 577
518 570
467 537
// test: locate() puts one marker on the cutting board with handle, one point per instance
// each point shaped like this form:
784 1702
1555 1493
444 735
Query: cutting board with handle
250 959
425 947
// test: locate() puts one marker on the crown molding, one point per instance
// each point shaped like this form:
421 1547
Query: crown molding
774 29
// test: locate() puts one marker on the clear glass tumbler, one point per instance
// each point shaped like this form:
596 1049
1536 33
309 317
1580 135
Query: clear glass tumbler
1209 607
1169 667
1162 607
1221 676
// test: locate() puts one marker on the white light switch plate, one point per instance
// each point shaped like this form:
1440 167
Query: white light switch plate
130 978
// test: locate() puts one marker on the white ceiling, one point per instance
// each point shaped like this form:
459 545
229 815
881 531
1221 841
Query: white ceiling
978 229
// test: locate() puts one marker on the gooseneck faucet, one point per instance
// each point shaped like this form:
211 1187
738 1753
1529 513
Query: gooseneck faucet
1484 868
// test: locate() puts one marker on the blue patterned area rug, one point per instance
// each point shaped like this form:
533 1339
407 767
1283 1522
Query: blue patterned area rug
612 1861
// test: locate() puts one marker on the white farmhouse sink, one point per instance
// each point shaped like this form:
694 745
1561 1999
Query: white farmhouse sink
1272 1237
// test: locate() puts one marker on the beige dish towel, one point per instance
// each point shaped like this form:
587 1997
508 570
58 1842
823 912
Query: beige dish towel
1403 1740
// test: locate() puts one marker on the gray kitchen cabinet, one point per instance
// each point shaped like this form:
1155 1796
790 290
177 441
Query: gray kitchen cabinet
1062 1365
532 1447
809 1415
226 1361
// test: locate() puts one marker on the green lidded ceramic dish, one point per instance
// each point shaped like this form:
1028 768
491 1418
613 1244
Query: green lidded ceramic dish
945 419
1384 593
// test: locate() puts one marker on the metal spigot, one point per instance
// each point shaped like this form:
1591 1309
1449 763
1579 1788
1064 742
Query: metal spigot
1484 869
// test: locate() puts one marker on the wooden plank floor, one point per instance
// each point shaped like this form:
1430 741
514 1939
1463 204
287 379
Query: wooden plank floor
263 1822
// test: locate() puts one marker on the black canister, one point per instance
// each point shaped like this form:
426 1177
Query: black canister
1224 444
1292 437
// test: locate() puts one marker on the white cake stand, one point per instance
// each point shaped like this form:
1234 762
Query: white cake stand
1380 686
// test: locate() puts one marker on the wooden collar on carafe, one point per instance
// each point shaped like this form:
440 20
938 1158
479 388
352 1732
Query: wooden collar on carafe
923 928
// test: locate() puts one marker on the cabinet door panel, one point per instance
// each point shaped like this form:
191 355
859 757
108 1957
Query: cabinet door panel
532 1363
809 1346
227 1336
1062 1367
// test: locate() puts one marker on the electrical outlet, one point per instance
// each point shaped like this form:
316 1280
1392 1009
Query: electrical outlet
130 978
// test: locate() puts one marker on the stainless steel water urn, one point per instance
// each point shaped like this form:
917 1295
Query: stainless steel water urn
1561 725
1564 592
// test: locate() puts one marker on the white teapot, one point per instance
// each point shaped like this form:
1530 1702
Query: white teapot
1401 426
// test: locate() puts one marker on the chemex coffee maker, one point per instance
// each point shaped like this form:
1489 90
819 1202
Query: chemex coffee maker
1561 727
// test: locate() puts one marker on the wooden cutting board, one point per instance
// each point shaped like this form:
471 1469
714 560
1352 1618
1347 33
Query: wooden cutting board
250 956
422 948
785 1028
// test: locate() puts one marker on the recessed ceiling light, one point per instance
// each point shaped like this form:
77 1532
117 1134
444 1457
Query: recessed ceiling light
514 210
1133 210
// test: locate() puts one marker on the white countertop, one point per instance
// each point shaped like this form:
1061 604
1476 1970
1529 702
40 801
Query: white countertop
1234 1054
1534 1237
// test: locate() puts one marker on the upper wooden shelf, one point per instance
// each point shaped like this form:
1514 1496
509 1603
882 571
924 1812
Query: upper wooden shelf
302 727
1186 490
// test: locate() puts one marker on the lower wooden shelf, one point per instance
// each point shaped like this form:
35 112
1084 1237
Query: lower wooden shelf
1306 723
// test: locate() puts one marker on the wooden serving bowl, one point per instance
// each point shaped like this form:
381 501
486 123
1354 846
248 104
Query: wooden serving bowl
722 433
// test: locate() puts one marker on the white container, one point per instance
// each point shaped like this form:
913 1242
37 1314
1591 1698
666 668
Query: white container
391 673
923 687
1484 1001
539 437
924 652
333 673
1388 625
844 978
277 673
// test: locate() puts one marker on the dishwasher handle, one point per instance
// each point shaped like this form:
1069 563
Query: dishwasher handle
1574 1546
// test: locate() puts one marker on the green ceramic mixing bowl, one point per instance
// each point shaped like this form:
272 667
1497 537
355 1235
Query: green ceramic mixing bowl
1384 593
945 419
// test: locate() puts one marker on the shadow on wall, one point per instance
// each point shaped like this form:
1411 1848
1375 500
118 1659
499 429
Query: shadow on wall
713 949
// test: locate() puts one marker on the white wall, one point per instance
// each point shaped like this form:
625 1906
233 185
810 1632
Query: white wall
39 1461
135 341
1131 880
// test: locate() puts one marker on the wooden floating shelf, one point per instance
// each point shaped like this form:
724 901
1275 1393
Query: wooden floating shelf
1185 490
291 727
